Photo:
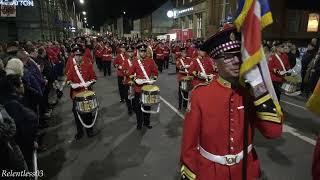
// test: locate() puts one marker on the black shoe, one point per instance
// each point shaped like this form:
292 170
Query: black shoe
93 133
130 113
78 136
148 126
121 101
139 127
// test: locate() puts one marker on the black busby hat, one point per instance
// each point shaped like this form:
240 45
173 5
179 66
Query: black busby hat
226 40
142 47
130 49
123 45
183 49
277 43
77 49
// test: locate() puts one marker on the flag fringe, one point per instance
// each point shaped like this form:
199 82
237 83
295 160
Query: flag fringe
266 20
243 14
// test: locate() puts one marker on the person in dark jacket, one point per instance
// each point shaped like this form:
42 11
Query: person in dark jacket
24 118
11 157
306 59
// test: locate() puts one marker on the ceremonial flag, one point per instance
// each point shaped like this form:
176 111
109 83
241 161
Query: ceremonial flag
313 103
254 15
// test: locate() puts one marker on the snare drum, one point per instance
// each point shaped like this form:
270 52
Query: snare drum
150 95
291 85
86 102
186 83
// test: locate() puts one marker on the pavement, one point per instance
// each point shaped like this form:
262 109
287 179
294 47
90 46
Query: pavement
120 152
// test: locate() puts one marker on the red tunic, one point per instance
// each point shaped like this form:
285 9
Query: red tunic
159 53
274 65
98 51
126 69
150 67
194 69
88 74
118 61
107 54
53 55
166 51
179 65
216 123
87 53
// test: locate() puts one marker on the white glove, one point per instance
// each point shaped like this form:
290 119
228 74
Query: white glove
210 76
75 85
140 81
151 81
282 73
204 76
187 66
119 67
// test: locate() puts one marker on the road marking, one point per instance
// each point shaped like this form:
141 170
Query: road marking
286 128
172 107
298 106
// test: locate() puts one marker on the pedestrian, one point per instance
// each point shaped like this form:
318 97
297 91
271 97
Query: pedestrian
118 64
142 70
160 58
279 67
213 130
81 77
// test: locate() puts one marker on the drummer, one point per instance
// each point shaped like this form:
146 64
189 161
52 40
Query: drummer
127 64
144 71
80 69
202 68
183 64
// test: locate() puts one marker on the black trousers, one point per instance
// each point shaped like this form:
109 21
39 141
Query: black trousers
121 88
181 100
128 101
166 62
106 66
99 63
159 64
142 118
27 151
277 88
86 118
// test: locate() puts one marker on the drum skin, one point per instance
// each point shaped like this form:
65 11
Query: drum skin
86 102
186 83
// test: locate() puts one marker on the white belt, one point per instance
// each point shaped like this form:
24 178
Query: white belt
228 160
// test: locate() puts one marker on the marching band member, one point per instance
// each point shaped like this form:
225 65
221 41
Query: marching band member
166 53
279 67
97 52
191 51
183 64
117 63
106 58
213 132
127 64
81 77
202 68
160 56
144 71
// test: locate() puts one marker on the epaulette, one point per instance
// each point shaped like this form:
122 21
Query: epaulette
201 84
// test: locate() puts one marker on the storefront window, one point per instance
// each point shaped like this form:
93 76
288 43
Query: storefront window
313 22
199 25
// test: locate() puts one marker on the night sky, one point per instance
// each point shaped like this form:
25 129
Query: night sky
100 11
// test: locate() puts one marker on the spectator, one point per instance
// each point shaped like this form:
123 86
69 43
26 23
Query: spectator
11 90
306 59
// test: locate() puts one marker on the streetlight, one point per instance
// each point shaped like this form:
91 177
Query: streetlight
81 1
124 12
85 18
84 13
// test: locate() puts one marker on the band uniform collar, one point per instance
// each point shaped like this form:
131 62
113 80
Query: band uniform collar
224 82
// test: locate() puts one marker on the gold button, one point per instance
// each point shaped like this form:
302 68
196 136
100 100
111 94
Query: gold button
231 130
231 99
231 148
231 139
232 120
231 110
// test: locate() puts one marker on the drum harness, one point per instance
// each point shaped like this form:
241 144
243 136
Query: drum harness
202 69
83 83
280 61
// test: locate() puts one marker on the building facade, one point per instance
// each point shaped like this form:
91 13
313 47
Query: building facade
45 20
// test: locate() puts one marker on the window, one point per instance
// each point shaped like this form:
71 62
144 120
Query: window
183 2
190 19
313 22
199 25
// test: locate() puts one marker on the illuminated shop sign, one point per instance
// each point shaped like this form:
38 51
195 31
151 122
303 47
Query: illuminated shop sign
17 2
